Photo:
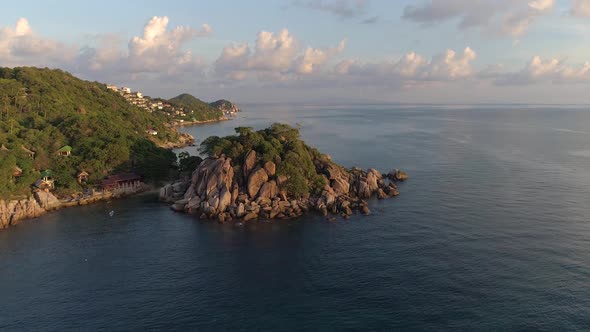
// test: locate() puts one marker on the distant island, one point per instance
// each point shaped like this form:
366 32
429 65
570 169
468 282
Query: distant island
270 174
66 141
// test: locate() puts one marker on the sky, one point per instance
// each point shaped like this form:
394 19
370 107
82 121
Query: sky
314 51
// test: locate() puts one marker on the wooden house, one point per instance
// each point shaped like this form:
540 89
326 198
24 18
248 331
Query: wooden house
46 181
29 152
118 180
64 151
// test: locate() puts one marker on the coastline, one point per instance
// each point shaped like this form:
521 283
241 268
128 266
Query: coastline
14 211
192 123
186 139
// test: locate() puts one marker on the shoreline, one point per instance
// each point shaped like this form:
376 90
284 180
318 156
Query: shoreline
193 123
13 212
186 139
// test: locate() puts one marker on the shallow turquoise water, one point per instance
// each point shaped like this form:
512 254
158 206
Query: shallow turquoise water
492 232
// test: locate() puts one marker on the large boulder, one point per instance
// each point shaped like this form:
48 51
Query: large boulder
373 177
46 200
255 181
193 203
397 175
270 168
340 186
224 200
249 163
241 210
269 190
166 193
364 189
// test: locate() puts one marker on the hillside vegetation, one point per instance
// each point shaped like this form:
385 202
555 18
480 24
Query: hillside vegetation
202 111
43 110
279 144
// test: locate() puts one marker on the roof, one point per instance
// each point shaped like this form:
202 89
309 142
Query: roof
18 169
3 148
65 148
47 173
40 183
27 150
123 177
83 173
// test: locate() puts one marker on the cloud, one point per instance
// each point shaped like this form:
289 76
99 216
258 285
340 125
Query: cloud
275 56
538 70
159 52
160 48
22 46
580 8
504 17
340 8
412 67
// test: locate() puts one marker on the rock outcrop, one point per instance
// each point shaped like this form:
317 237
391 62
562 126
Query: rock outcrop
215 191
13 211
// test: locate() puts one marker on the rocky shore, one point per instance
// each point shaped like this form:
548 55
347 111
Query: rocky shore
219 191
13 212
184 140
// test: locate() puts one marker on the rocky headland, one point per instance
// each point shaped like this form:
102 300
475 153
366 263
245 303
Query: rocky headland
272 174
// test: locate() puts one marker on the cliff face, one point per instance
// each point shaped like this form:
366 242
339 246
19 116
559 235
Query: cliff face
217 190
13 211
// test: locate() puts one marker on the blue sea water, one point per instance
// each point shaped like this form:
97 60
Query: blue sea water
491 232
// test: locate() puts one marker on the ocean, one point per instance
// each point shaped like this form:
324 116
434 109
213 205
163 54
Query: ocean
491 232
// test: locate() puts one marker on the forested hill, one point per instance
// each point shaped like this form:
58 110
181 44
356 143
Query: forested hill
201 111
43 111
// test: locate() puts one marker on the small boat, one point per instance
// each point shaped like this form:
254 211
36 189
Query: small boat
112 213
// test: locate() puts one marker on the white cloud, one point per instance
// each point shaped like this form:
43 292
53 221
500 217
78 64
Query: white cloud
275 55
413 67
21 46
580 8
538 70
160 48
158 52
313 58
504 17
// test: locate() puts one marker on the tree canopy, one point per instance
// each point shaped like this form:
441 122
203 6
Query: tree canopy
281 144
44 110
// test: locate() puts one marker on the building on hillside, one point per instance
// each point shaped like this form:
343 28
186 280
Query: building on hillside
139 95
17 172
4 148
29 152
121 180
125 89
151 132
64 151
113 87
46 181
